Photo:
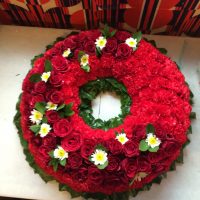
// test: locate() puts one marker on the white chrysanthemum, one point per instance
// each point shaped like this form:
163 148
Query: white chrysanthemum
45 76
60 153
99 157
84 60
131 42
101 42
66 53
51 106
36 116
122 138
44 129
152 140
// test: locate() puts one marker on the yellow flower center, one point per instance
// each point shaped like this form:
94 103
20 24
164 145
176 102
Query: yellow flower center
121 139
84 59
132 43
37 115
152 140
61 153
99 157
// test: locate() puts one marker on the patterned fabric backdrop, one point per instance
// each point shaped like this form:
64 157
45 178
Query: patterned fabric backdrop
173 17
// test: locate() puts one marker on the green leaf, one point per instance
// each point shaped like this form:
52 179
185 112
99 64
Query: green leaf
150 129
61 107
35 58
80 54
103 166
41 107
35 128
68 110
143 146
48 66
137 36
54 163
192 115
98 52
100 147
155 149
86 68
113 33
163 50
51 154
35 78
44 120
74 194
63 162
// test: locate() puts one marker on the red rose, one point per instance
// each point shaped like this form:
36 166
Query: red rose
37 98
74 160
114 163
114 146
70 43
44 153
131 149
111 46
40 87
36 141
52 116
171 147
123 51
89 47
55 96
59 63
49 142
87 148
56 79
72 142
80 175
95 176
143 165
62 128
157 157
130 167
122 35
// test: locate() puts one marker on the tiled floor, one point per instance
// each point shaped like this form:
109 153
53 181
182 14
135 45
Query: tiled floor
17 46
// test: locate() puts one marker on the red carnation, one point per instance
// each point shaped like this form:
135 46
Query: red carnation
131 149
59 63
72 142
123 51
62 128
74 160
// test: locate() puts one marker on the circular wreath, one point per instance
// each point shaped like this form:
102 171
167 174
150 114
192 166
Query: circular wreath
103 159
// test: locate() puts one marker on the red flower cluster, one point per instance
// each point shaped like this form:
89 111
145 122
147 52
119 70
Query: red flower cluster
159 96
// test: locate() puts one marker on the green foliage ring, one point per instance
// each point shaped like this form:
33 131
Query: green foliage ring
90 90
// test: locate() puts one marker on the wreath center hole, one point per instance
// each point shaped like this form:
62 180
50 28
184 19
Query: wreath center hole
106 105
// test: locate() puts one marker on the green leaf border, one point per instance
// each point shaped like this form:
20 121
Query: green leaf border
90 90
64 187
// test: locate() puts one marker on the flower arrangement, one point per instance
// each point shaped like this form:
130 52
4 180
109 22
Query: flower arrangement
91 157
